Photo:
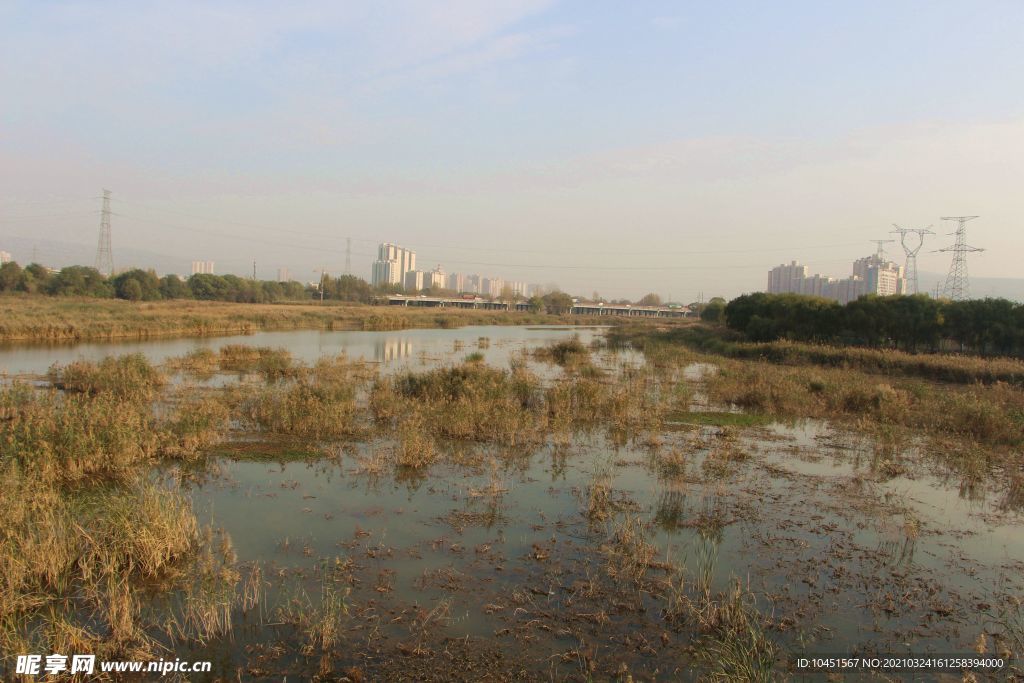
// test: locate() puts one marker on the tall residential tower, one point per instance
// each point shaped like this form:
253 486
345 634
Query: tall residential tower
392 263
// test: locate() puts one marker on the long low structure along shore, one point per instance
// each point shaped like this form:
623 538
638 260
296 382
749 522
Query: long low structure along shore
577 308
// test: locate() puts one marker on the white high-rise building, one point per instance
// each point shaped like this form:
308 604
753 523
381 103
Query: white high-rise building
871 275
282 275
491 286
5 257
435 278
881 277
518 288
392 263
202 267
786 278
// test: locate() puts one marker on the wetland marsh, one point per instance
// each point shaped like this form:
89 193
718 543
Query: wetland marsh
500 503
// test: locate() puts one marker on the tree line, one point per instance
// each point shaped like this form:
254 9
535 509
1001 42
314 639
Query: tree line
910 323
145 285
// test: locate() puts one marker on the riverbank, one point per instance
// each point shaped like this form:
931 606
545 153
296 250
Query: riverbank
59 319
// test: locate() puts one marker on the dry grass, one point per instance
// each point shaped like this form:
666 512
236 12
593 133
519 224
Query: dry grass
563 352
475 402
987 414
74 437
273 364
942 367
320 402
129 377
41 318
76 560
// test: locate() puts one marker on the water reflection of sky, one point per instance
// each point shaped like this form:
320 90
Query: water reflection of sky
396 349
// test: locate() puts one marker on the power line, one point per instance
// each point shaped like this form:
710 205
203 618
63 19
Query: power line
49 215
549 266
458 247
249 238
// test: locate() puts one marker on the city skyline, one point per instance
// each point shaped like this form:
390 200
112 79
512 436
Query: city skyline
511 137
475 283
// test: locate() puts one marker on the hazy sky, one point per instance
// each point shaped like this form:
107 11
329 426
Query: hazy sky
617 147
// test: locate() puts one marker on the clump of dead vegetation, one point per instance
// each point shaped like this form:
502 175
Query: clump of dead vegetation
563 352
992 414
130 377
80 564
88 536
478 403
319 402
271 363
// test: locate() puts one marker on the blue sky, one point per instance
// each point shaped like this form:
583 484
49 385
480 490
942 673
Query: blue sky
610 147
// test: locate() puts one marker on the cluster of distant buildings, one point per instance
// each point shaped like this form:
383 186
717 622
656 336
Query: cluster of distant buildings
202 268
871 275
396 265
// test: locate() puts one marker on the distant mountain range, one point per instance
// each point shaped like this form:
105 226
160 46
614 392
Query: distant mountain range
980 287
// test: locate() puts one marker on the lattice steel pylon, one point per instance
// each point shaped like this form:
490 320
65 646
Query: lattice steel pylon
957 286
348 256
910 266
104 254
881 250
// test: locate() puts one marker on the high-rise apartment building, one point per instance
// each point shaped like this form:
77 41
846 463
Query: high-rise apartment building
392 263
871 275
881 277
202 267
491 286
282 275
846 290
457 282
435 278
518 288
786 278
413 281
816 285
5 257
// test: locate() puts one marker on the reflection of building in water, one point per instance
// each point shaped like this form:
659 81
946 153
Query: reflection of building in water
392 349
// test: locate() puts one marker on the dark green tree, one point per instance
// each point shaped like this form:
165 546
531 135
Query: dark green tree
149 285
557 303
173 287
10 276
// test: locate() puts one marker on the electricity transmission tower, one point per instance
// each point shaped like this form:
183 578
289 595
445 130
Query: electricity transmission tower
104 254
957 286
348 256
881 252
910 268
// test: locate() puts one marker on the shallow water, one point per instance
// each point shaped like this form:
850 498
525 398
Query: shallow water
793 531
842 558
393 349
